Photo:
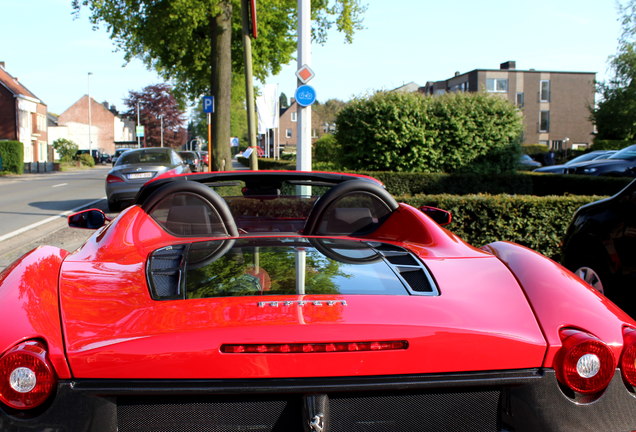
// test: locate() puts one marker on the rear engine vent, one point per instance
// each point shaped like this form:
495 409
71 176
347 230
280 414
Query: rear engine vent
409 269
164 273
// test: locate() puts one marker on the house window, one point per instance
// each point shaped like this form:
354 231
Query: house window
544 121
544 92
520 100
294 116
288 133
497 85
314 133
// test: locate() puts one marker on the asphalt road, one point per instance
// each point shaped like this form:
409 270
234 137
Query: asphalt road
31 198
33 209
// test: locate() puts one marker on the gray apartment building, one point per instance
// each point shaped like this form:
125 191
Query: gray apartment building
555 105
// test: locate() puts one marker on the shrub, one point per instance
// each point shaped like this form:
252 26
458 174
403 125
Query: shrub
326 149
12 154
610 144
86 159
65 148
513 184
534 149
536 222
269 164
408 132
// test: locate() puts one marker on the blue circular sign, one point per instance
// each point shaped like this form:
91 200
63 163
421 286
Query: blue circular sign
305 95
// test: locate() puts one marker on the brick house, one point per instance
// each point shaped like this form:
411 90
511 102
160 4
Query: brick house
555 105
23 118
288 127
104 128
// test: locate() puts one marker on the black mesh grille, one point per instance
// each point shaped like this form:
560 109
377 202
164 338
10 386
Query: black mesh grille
415 412
416 279
190 414
164 271
470 411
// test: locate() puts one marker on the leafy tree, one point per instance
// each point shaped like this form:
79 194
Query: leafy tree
326 148
327 112
456 132
197 45
615 115
66 148
238 127
282 100
156 105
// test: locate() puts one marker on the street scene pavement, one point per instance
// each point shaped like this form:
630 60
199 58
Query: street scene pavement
35 207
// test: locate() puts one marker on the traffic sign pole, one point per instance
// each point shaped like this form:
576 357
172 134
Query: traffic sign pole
210 154
303 145
208 108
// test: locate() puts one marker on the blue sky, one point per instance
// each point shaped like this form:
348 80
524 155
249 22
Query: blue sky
403 41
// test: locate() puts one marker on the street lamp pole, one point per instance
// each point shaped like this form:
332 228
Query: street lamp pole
161 117
138 124
90 140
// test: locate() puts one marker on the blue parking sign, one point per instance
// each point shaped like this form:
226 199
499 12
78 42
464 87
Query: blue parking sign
208 104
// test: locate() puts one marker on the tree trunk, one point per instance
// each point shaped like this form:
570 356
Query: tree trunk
221 85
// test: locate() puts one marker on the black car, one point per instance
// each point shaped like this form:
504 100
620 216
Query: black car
193 160
585 157
600 246
620 164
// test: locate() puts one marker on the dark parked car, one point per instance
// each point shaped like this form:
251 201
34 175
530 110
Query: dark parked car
600 246
527 163
560 169
94 153
193 159
118 153
135 167
620 164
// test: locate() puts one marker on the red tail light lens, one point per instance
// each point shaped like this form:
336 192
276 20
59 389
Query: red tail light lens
26 376
584 363
628 357
113 179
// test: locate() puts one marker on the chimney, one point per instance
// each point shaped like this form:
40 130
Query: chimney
2 64
510 64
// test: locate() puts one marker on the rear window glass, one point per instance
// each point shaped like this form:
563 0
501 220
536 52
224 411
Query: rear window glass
144 157
285 266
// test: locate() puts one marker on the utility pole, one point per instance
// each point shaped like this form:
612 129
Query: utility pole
246 7
90 117
161 117
138 124
303 145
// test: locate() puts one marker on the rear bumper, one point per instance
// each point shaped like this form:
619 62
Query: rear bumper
527 400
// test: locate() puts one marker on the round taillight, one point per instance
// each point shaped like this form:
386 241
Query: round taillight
584 363
628 357
26 376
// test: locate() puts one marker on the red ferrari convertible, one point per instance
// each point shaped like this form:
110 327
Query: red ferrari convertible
300 301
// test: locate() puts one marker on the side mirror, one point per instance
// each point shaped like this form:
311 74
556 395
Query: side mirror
88 219
442 217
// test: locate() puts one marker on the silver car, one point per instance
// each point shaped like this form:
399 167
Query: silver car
134 168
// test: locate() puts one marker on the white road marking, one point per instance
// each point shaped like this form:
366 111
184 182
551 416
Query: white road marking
44 221
58 185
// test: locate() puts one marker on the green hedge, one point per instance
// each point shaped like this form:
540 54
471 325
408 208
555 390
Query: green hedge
12 154
463 184
269 164
536 222
514 184
610 144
